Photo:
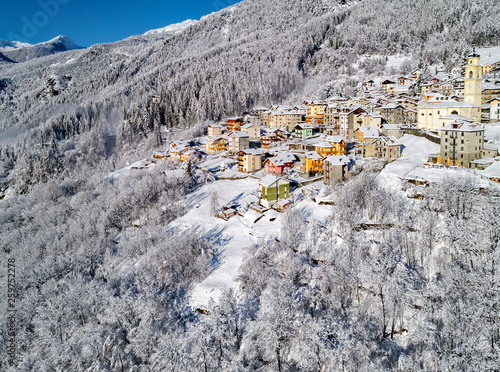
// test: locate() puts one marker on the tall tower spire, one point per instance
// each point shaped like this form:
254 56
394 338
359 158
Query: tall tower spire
473 89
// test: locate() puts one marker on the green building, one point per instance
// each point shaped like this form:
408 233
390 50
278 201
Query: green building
273 189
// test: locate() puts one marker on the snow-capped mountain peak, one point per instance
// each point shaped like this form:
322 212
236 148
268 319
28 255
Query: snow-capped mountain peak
174 28
64 40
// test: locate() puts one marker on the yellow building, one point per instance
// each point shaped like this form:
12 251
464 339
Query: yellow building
313 163
339 144
216 144
324 149
250 160
473 88
317 108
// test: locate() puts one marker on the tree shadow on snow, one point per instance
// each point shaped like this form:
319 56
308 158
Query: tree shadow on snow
218 240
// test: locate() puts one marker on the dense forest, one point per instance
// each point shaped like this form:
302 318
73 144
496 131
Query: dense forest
387 283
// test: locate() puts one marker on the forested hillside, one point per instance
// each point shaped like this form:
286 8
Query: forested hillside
256 52
415 289
103 280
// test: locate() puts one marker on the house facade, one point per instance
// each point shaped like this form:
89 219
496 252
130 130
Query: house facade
234 124
253 130
388 148
313 163
494 110
216 144
430 115
279 164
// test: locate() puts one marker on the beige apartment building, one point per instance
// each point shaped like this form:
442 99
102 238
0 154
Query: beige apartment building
461 143
250 160
238 141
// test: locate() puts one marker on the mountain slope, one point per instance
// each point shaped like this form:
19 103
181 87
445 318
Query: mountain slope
20 52
3 58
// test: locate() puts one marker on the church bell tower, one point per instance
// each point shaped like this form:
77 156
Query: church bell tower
473 89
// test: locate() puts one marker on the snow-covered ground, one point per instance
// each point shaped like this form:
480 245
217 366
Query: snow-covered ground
232 236
237 234
489 55
411 164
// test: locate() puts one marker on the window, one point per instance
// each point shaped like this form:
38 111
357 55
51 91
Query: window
462 156
446 140
461 149
471 75
445 154
446 147
462 142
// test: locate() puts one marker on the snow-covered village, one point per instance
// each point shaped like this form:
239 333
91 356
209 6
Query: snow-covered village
306 185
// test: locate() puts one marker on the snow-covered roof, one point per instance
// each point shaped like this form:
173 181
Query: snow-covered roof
390 141
239 134
338 160
215 126
313 155
249 125
324 145
447 104
268 180
463 126
335 139
369 132
392 126
252 151
304 126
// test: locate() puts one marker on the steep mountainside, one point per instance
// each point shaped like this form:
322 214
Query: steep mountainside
3 58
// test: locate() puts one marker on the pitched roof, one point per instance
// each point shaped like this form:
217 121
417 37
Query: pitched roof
324 145
240 134
369 132
337 160
390 141
463 126
447 104
313 155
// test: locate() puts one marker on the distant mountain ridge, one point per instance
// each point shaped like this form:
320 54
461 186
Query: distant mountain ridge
12 45
22 52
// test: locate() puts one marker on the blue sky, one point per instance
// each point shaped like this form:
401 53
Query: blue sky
90 22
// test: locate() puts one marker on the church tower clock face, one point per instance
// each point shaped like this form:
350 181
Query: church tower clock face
470 86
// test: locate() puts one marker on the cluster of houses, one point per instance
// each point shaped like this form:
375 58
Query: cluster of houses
321 139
